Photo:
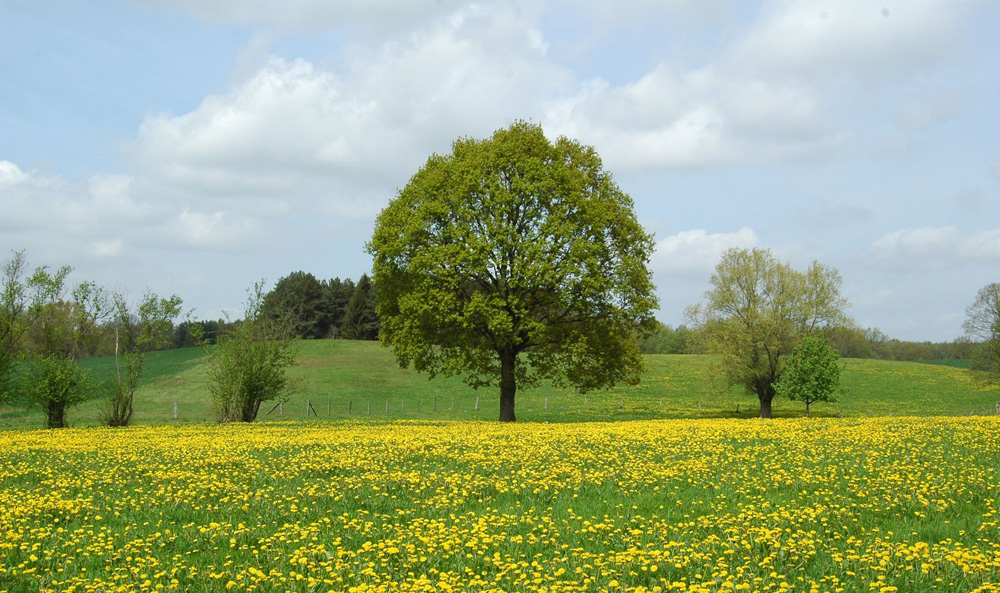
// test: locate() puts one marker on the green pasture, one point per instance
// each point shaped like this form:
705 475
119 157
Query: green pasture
360 380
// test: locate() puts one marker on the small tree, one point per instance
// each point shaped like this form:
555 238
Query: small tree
982 325
248 366
138 330
812 372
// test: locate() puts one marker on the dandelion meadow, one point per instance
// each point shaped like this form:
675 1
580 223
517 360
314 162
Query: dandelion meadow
858 505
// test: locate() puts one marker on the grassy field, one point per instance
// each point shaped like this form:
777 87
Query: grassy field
344 379
853 505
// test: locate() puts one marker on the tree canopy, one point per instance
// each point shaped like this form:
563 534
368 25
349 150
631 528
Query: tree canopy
514 259
298 299
812 372
758 309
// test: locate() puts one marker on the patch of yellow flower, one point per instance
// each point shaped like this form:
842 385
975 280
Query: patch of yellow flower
884 504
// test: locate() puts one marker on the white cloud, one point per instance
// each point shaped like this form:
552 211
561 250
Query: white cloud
815 39
936 247
696 252
110 248
685 118
217 230
11 174
298 136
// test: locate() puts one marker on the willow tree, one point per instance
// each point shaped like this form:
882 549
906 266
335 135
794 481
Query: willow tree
514 259
758 309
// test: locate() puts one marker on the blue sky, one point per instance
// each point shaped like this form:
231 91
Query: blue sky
196 146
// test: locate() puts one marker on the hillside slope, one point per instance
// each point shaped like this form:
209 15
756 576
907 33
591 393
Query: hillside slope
361 379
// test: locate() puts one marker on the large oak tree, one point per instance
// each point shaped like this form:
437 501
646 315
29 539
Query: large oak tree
514 259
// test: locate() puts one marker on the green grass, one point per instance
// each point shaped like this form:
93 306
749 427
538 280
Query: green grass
960 363
344 379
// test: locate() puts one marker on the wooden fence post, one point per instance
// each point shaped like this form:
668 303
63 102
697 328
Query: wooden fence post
386 407
350 407
435 403
477 402
546 402
175 410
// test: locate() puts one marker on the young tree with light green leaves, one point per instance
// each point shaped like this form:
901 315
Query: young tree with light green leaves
514 259
811 373
138 329
249 364
758 309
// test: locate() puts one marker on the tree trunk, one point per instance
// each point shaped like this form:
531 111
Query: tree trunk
55 414
765 393
765 407
508 386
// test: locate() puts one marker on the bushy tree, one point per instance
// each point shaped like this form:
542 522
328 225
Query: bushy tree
54 381
249 364
982 325
513 259
22 300
812 372
758 309
138 329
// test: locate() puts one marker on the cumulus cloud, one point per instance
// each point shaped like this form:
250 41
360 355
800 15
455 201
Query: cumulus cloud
815 39
297 134
696 252
106 216
937 247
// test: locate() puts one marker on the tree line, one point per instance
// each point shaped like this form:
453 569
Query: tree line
848 340
47 327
